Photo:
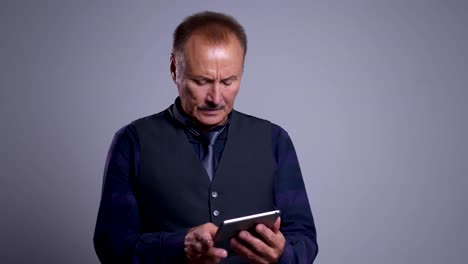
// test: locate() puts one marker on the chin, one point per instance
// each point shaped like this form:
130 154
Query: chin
210 121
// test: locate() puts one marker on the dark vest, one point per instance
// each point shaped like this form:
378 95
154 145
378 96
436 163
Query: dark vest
173 189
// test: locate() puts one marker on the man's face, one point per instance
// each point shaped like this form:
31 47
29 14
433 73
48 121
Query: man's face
209 79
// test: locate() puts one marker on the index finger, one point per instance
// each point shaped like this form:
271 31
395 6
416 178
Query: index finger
206 234
270 237
204 239
276 226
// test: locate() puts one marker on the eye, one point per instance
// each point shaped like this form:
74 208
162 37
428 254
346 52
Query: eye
200 81
228 82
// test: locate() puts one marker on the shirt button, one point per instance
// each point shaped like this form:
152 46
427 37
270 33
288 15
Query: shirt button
214 194
215 212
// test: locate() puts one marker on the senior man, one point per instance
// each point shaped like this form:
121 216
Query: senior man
172 178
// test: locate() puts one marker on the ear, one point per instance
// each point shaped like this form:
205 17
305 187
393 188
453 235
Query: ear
172 68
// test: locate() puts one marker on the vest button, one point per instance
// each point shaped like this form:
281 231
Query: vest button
214 194
215 212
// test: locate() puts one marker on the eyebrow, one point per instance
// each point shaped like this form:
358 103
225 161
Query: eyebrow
201 77
230 78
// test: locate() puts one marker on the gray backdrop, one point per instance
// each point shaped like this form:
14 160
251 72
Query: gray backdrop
373 93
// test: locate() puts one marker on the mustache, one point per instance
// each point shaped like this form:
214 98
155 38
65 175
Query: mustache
211 107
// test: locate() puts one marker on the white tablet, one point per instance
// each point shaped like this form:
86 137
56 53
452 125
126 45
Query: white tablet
231 227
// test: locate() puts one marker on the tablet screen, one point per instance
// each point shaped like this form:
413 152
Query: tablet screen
231 227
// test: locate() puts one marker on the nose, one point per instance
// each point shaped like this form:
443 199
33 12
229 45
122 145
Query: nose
214 96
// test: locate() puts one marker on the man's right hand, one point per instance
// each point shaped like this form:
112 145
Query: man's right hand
199 245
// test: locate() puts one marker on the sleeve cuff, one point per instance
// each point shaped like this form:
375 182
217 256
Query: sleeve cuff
161 247
287 254
173 244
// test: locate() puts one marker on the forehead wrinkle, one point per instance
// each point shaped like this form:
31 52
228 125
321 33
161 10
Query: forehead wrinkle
217 69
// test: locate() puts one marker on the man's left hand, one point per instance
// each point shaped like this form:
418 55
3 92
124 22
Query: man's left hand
255 250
